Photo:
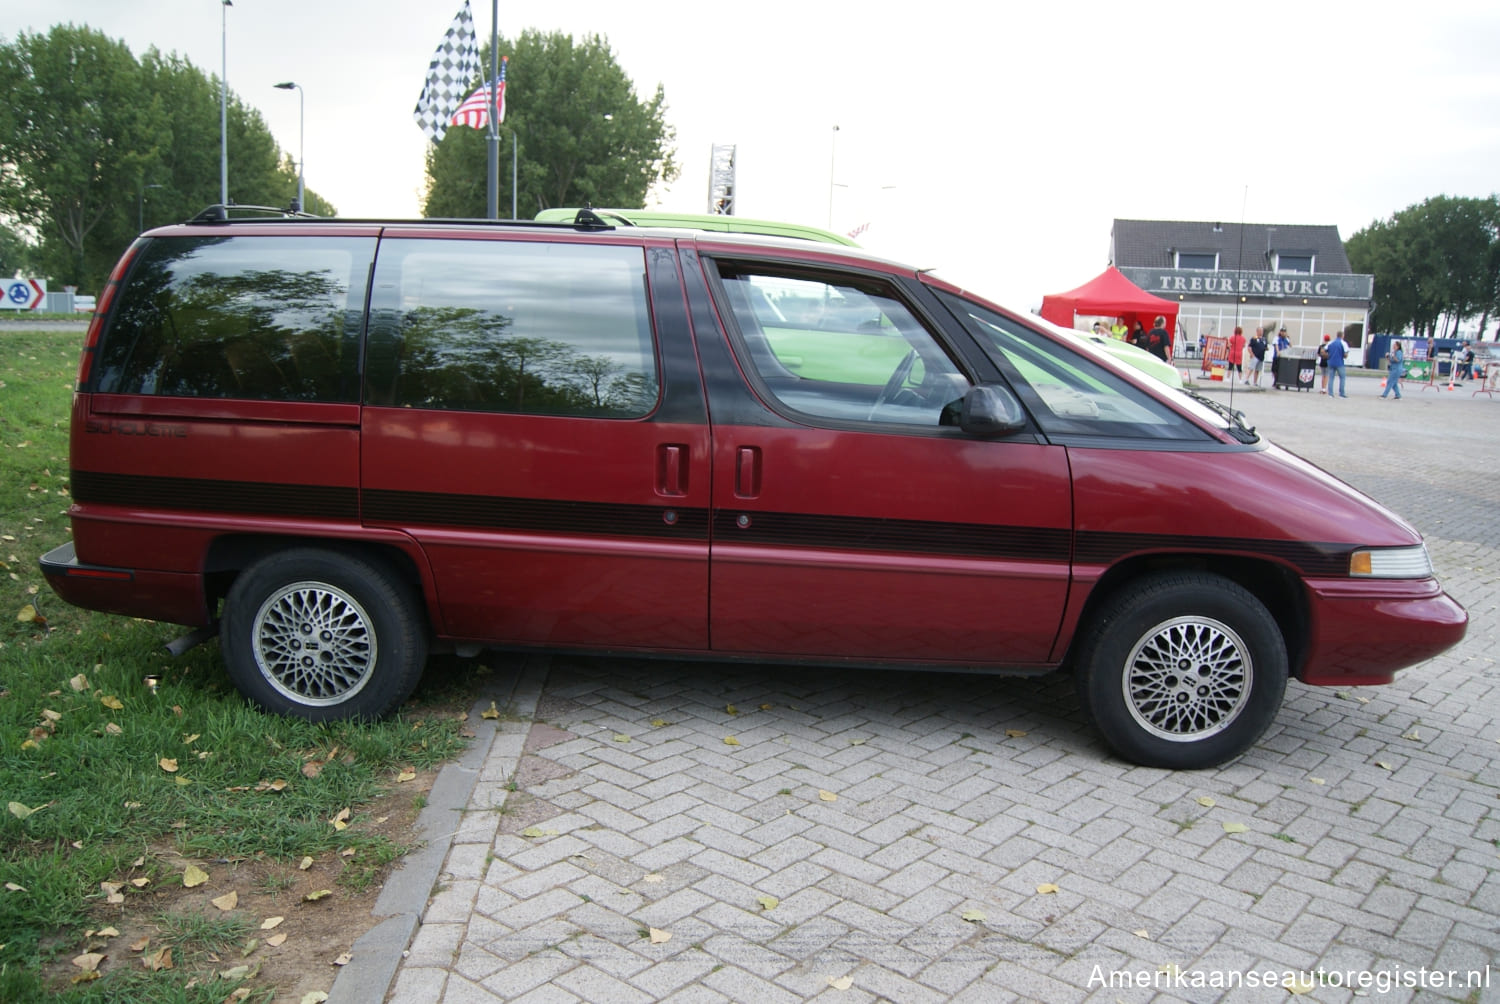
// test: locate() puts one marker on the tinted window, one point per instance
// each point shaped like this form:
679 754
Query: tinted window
550 329
1205 262
264 318
1066 392
841 348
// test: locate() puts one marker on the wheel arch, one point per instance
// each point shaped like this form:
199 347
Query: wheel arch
231 554
1277 587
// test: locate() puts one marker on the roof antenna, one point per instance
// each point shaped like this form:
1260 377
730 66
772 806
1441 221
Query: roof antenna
1239 263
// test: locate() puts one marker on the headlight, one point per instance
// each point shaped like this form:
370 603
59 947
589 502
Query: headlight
1391 563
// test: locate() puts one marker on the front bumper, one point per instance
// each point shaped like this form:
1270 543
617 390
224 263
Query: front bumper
1365 630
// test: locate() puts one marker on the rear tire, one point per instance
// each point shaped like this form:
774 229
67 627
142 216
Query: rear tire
1182 671
324 636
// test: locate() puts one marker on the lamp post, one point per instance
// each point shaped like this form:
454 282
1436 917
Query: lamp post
301 138
833 153
224 105
141 207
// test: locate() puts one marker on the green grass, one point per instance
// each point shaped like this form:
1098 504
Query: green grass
91 772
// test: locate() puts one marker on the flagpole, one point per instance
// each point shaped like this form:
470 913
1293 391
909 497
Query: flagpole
492 176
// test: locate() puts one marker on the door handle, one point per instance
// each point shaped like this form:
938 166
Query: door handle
747 472
672 470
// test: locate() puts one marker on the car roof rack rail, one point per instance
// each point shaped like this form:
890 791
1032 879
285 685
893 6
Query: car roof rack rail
587 219
220 213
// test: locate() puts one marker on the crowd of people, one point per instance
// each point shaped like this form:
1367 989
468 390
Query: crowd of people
1157 341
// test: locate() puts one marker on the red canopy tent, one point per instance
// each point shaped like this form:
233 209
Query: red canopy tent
1110 294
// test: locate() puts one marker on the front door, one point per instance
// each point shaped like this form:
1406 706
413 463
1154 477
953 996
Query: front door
851 517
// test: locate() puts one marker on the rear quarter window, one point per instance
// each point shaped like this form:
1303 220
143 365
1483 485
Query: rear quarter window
257 317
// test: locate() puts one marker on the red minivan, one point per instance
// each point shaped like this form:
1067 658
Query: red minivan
341 444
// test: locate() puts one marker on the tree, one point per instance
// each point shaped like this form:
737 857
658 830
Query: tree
1435 264
585 138
94 143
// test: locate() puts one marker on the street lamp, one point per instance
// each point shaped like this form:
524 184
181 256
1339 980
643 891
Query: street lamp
301 137
224 106
141 207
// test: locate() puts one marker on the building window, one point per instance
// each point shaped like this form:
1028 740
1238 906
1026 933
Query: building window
1302 263
1197 260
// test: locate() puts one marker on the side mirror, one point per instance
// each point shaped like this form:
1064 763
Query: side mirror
991 410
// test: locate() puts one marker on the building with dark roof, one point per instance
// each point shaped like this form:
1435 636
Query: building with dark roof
1247 274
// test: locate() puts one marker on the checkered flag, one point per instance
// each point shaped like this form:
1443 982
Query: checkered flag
450 77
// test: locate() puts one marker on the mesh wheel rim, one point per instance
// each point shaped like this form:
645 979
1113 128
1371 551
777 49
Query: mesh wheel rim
1188 679
314 643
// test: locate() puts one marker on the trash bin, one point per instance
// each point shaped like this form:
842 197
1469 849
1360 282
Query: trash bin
1295 372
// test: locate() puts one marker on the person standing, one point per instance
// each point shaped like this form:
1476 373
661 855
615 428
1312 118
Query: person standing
1237 350
1323 364
1118 330
1395 366
1158 342
1137 336
1338 350
1257 356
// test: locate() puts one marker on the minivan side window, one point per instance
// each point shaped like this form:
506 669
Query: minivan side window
261 318
510 326
1067 393
840 347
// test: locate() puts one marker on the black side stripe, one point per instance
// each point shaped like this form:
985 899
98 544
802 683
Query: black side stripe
856 533
204 495
1318 560
605 519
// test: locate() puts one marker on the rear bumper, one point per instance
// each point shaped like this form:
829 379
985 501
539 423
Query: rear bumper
175 597
1365 630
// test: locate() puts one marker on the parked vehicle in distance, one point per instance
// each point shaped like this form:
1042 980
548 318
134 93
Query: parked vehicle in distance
342 444
1129 354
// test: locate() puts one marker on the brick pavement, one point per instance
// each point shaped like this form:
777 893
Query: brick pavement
617 807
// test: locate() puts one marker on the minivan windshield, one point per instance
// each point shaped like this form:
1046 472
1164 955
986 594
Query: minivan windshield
1068 391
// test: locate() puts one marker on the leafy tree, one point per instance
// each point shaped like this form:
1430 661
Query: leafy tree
15 253
94 143
74 131
1435 264
585 137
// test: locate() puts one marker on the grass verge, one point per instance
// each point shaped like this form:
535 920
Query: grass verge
125 773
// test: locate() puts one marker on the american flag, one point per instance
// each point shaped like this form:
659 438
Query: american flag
454 64
474 111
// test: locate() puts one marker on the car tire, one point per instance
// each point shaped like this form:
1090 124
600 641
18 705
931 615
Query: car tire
1182 671
324 636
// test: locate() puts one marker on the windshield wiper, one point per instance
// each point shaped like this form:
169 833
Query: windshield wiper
1238 427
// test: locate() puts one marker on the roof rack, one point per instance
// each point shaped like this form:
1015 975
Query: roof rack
220 213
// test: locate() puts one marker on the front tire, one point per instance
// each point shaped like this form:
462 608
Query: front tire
1183 671
323 636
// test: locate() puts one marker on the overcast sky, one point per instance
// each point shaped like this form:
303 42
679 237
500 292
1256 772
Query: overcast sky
993 142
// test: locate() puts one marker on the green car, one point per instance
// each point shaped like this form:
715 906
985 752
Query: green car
1123 352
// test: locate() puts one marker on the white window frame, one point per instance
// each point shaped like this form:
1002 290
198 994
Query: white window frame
1177 260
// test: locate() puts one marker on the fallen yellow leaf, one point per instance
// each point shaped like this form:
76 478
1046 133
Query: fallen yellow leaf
27 614
1206 802
1046 888
140 946
228 901
343 960
1141 933
88 961
112 702
11 886
768 902
825 795
271 923
313 997
973 916
341 821
84 978
304 864
21 811
1300 987
79 683
52 716
1235 827
30 744
159 960
841 983
113 729
491 712
1015 733
140 883
658 723
107 932
167 764
660 937
276 940
731 741
188 740
731 709
406 775
193 876
621 737
1317 780
653 878
313 897
1383 765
